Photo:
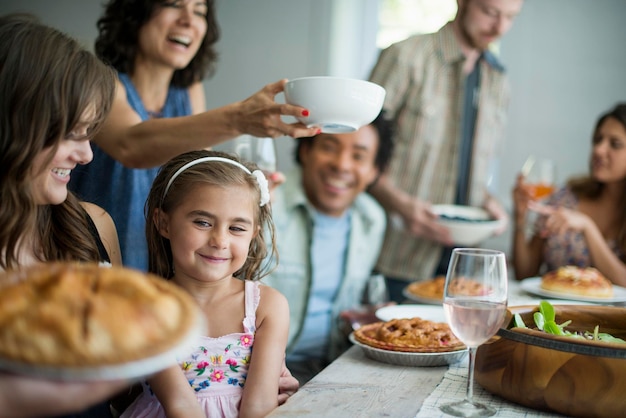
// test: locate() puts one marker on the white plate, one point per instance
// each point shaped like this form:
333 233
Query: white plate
533 285
410 359
126 371
431 313
416 298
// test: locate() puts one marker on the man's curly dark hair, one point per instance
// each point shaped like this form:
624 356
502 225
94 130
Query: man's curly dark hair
118 34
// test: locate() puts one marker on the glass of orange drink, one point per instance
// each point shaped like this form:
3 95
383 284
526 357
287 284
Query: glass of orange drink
541 178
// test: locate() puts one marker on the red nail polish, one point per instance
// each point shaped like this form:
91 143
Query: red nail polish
305 113
319 131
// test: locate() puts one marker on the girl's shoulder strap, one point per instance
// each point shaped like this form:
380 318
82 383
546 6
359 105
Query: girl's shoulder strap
252 297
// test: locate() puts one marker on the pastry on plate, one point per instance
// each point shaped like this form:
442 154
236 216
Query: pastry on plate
578 281
414 335
428 289
81 314
433 289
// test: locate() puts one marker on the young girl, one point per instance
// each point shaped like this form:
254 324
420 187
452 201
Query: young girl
209 213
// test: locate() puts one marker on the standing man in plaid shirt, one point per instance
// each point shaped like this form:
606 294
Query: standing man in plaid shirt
448 95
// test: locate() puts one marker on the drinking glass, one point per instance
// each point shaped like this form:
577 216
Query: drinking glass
540 178
260 151
474 302
376 292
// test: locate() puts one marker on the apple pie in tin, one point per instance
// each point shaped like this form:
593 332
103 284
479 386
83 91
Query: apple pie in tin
414 335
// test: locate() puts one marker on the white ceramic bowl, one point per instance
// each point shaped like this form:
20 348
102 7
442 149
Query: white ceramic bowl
336 105
468 225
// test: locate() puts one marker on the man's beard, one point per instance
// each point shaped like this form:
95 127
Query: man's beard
465 34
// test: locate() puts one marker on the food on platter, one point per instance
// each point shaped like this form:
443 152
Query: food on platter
463 218
414 335
429 289
433 289
81 315
581 281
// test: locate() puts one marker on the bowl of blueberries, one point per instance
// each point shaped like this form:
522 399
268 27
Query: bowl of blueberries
468 225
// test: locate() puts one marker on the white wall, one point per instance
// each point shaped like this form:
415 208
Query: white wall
565 59
264 41
76 17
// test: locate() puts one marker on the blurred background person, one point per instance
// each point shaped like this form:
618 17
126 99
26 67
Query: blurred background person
329 233
448 95
162 51
584 223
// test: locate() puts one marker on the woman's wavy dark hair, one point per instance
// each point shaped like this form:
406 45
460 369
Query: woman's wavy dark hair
591 188
47 82
212 173
118 37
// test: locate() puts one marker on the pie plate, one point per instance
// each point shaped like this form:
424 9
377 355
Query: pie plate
426 291
410 359
420 299
533 285
133 370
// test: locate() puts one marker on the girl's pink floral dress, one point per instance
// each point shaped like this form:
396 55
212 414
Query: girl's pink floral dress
216 369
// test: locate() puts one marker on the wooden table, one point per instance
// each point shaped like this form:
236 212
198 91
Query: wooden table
356 386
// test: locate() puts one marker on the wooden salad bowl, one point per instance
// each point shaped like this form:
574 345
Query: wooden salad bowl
558 373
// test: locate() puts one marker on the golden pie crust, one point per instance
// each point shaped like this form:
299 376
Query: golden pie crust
71 314
579 281
433 289
413 335
428 289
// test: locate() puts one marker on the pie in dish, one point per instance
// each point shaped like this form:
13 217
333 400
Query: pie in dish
579 281
413 335
428 289
433 289
82 315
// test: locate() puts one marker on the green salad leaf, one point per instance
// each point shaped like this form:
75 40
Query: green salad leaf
545 320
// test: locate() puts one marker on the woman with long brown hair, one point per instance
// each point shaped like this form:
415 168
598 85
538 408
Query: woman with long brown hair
54 96
583 224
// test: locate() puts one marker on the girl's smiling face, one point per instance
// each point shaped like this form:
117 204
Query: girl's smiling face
211 231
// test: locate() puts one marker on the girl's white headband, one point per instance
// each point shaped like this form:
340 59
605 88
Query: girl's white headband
258 174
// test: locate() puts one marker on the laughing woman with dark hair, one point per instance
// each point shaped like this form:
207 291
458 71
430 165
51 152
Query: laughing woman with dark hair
584 223
162 50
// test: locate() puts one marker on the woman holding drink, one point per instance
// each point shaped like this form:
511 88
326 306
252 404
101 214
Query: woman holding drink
583 223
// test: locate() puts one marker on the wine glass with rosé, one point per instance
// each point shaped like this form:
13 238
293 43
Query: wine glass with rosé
540 178
474 302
